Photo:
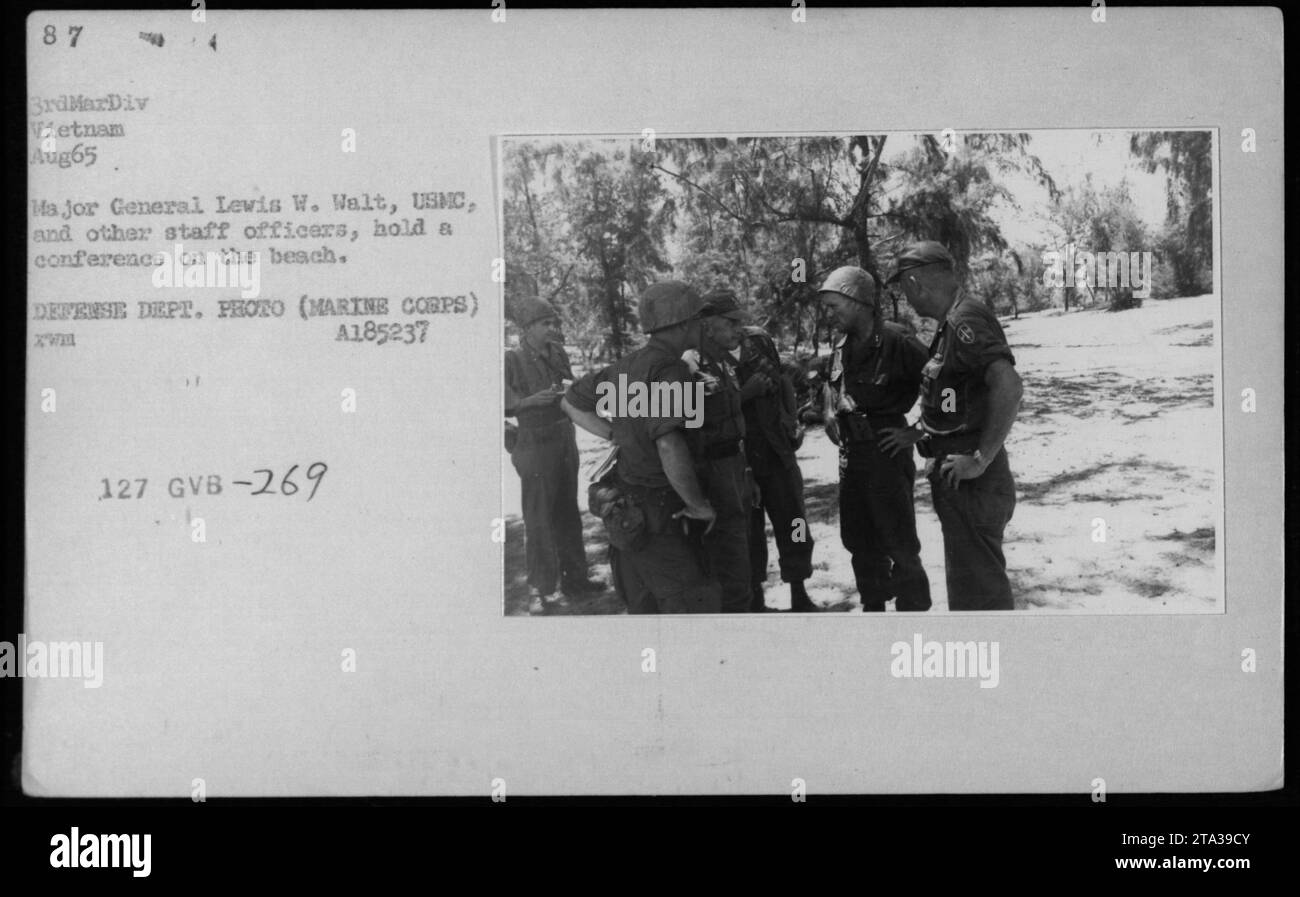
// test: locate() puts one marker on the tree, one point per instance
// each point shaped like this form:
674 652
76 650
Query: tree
1097 222
585 225
1187 246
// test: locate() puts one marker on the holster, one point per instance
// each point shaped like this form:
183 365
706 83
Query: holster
624 519
854 427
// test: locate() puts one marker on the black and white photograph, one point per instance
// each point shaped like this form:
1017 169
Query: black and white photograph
939 372
776 404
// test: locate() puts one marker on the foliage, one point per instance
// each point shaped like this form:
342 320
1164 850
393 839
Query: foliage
589 223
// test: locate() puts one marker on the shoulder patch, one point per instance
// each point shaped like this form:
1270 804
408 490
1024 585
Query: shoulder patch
965 334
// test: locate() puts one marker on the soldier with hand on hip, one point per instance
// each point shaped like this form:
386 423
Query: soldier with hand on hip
874 376
653 505
970 394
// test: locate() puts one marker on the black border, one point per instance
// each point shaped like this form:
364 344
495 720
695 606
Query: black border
916 828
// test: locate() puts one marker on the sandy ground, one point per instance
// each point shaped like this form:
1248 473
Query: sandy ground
1118 427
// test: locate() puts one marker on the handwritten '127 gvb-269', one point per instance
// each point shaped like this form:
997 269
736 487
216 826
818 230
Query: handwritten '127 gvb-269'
210 484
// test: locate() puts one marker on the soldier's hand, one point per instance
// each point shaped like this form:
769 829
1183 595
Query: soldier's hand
895 439
702 512
956 468
833 429
758 384
544 398
796 438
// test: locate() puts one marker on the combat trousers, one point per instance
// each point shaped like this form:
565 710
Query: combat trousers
878 527
666 576
974 516
726 547
781 492
546 459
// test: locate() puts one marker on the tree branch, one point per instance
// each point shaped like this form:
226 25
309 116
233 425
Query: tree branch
690 183
563 281
864 183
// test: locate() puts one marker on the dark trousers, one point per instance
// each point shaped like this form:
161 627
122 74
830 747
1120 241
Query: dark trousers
726 547
664 578
781 491
667 575
974 516
878 527
546 459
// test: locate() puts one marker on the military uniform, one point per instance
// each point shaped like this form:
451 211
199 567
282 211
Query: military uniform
545 455
770 452
667 574
718 449
954 405
878 379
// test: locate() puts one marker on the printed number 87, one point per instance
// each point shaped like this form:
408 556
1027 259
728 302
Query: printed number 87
52 34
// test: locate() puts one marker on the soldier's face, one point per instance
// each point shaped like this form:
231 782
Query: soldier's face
547 330
723 331
919 295
848 314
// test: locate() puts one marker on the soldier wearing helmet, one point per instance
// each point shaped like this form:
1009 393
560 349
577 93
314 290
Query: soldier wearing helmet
545 455
875 373
970 394
659 568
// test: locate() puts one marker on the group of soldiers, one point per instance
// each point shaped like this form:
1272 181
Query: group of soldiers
686 501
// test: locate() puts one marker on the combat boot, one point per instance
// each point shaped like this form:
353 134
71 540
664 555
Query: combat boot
577 587
800 603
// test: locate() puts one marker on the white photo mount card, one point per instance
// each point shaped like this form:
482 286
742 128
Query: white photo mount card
275 545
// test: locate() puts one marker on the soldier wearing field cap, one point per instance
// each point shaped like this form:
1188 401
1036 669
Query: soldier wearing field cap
545 455
771 430
661 511
719 449
875 372
970 393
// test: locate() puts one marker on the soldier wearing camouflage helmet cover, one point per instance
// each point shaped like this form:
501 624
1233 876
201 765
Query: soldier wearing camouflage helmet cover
545 455
874 375
970 394
655 471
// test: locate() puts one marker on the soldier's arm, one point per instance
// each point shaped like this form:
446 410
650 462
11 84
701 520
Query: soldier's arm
830 422
915 356
512 402
1005 391
588 420
543 398
511 398
788 402
675 456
